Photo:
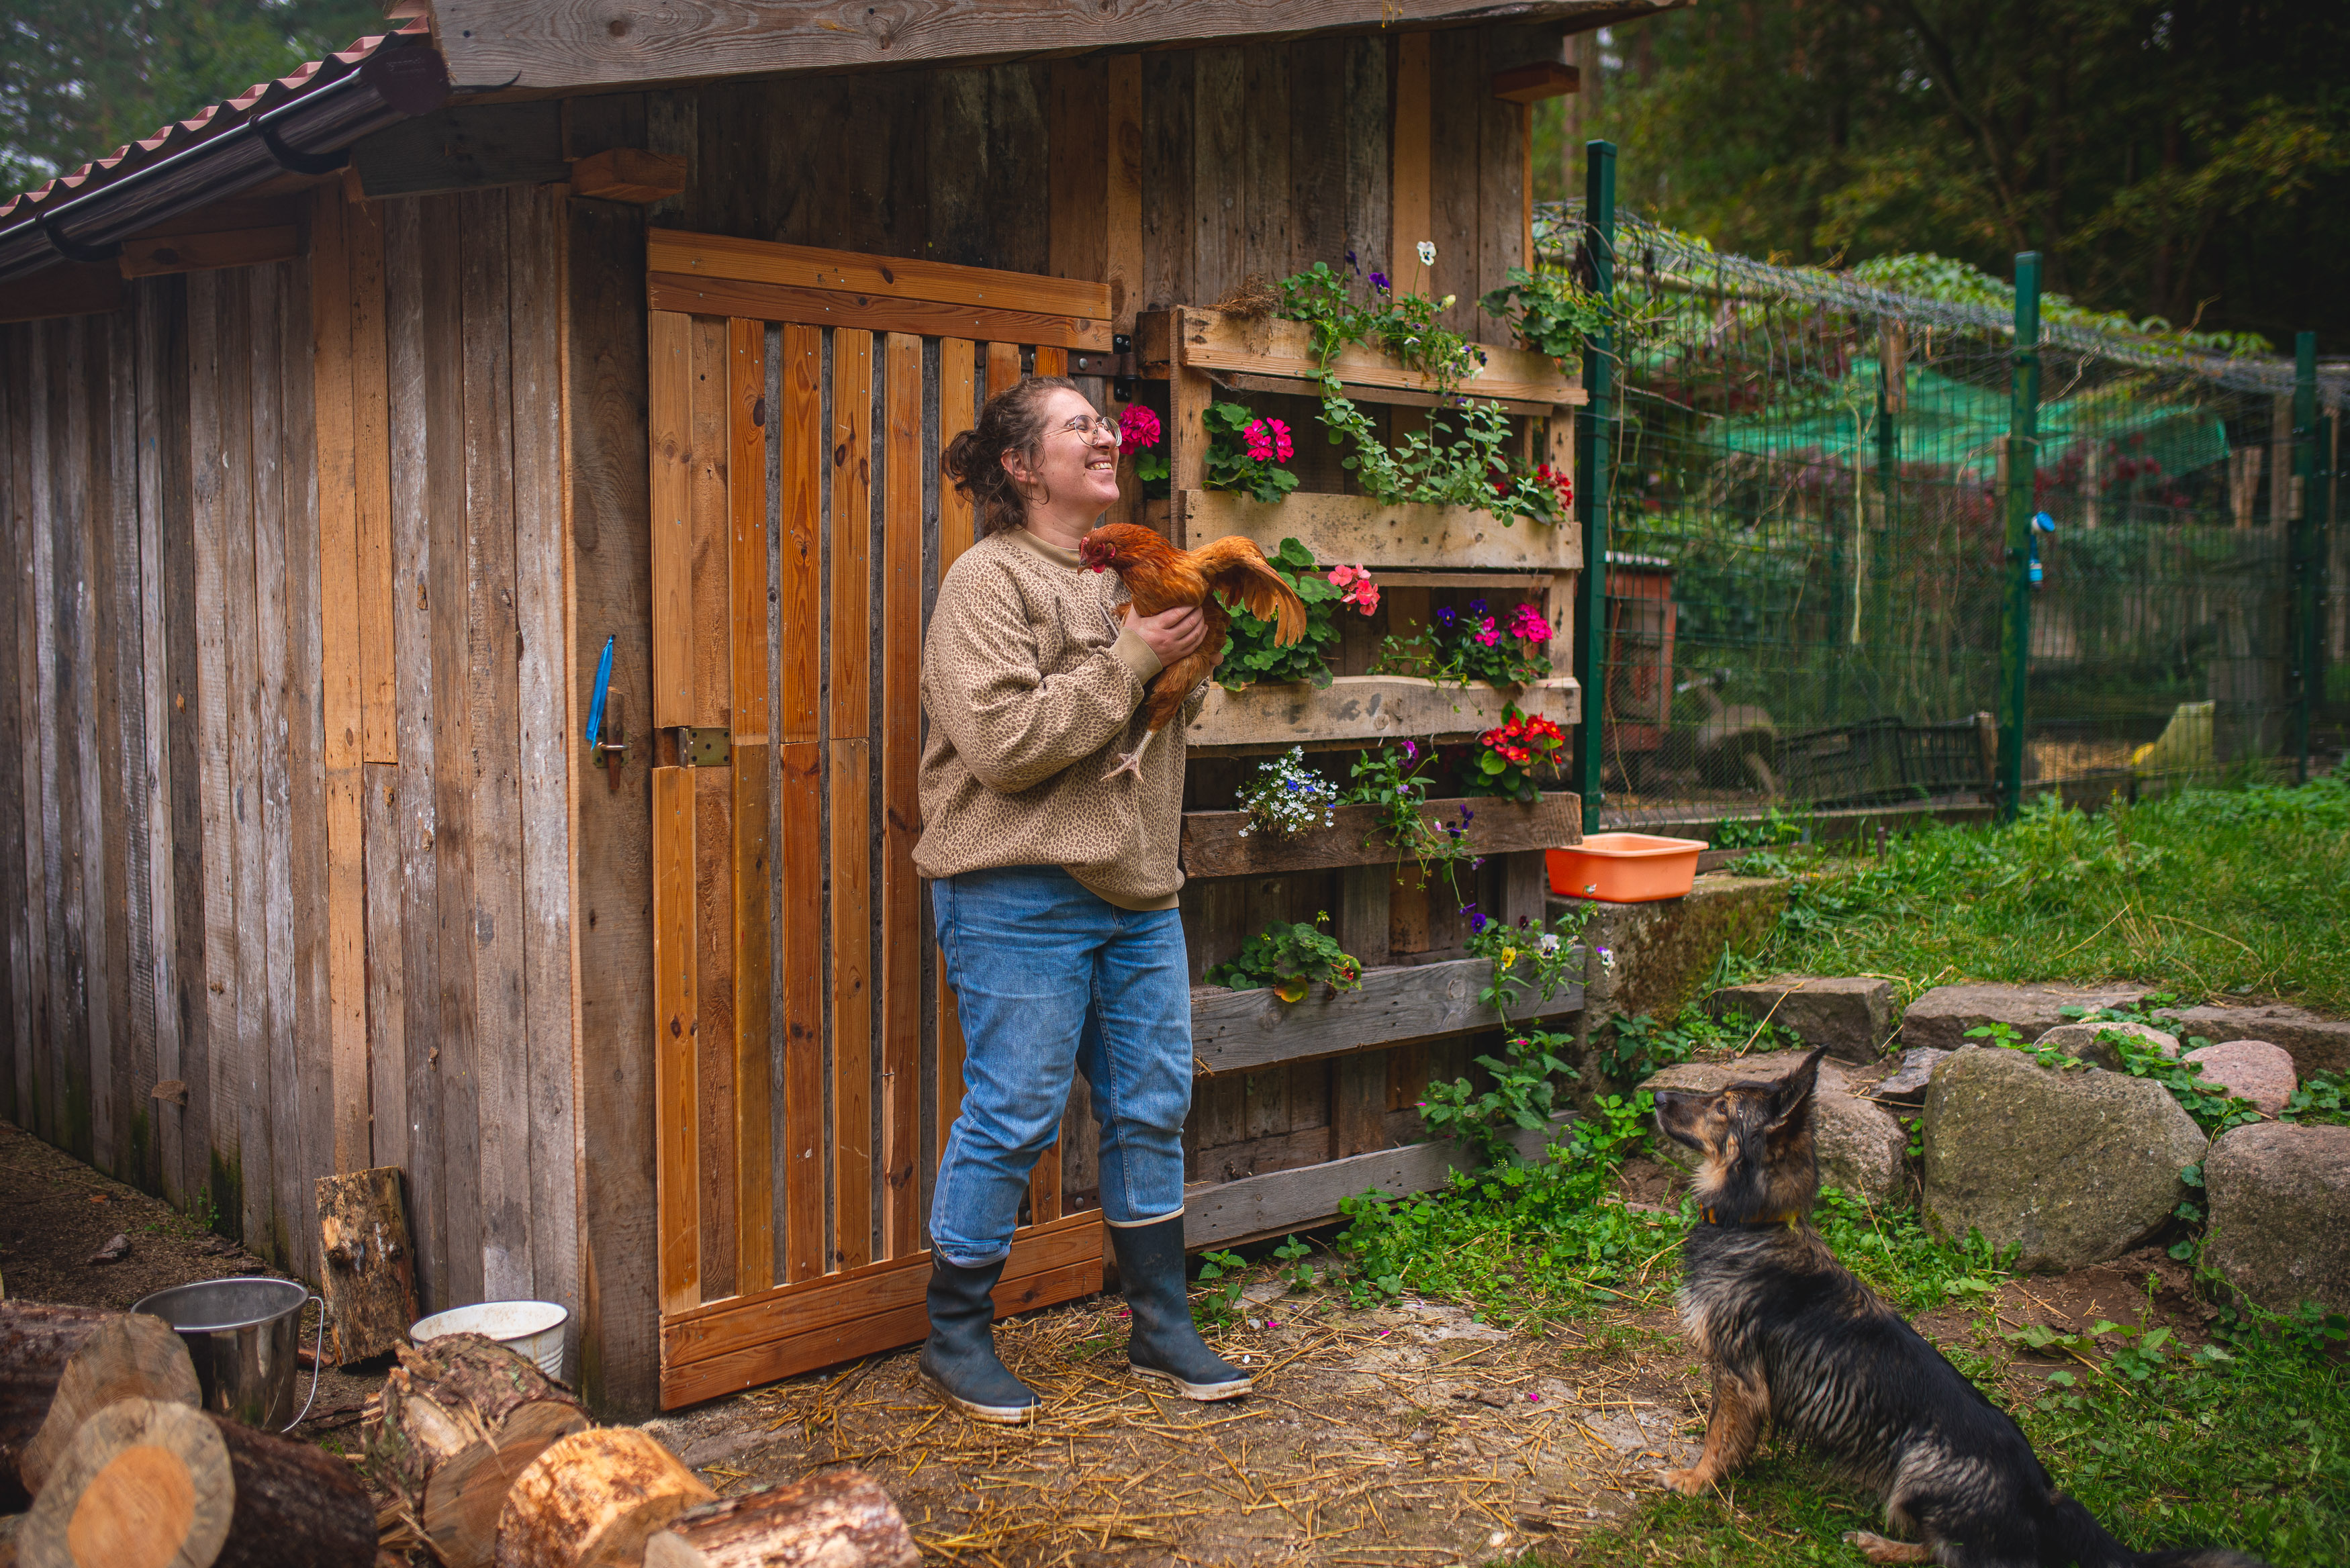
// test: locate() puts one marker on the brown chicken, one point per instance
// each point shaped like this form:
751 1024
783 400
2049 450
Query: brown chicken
1159 577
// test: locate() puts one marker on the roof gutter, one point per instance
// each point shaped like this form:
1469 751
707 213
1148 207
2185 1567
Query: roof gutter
308 135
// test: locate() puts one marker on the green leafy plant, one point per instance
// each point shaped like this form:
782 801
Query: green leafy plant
1459 646
1528 958
1520 1093
1551 312
1298 1273
1220 1301
1462 458
1286 797
1510 759
1246 453
1390 780
2323 1098
1250 654
1288 957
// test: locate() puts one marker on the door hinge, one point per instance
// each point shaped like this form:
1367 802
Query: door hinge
703 747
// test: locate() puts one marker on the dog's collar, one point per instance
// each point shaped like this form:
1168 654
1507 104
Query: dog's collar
1787 1217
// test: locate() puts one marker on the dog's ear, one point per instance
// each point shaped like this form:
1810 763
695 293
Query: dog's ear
1793 1095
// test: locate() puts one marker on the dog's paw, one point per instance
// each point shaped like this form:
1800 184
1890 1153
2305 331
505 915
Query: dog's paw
1878 1548
1689 1483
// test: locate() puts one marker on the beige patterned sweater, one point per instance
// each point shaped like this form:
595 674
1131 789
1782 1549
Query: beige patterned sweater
1031 683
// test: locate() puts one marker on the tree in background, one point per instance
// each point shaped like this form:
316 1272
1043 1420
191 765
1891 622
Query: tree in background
2186 161
80 77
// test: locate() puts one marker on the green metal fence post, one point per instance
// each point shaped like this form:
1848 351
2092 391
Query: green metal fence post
2308 642
1594 452
2022 451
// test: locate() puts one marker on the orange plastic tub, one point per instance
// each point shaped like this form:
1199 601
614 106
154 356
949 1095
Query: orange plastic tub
1625 867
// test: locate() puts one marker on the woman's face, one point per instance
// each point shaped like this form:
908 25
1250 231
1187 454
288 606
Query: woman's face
1071 469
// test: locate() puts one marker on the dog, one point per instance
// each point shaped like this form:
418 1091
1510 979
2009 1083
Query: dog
1797 1342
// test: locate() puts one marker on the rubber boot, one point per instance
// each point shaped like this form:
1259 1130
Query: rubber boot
1165 1346
959 1358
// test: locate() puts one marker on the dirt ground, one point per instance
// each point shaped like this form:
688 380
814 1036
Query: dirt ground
55 1213
1409 1436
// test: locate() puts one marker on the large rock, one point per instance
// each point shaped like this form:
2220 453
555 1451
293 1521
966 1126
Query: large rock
1943 1016
2074 1167
2280 1206
2314 1043
1850 1015
2087 1041
1860 1145
1661 954
2251 1070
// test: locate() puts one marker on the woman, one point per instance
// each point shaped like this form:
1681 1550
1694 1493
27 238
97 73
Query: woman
1055 893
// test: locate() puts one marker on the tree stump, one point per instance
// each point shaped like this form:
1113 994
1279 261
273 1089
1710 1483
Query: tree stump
592 1499
370 1273
147 1484
462 1417
132 1357
841 1519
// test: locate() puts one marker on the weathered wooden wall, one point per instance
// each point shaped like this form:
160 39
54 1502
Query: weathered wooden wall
292 823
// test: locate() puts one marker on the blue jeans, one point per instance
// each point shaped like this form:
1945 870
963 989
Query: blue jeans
1049 979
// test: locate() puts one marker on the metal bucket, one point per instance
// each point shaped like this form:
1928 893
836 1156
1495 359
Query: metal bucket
244 1334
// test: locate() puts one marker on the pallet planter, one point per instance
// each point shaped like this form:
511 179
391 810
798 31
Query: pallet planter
1213 845
1226 1213
1265 353
1247 1030
1369 708
1397 537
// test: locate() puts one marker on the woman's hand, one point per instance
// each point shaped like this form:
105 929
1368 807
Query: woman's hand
1173 634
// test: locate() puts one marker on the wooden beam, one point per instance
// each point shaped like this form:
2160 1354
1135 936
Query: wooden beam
67 290
1248 1030
630 174
697 256
1532 83
829 307
1213 845
210 253
591 43
1410 146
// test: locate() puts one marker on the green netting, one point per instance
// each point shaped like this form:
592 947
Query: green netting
1807 560
1959 429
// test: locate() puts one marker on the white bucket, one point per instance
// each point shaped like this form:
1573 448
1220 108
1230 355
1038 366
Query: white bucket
531 1328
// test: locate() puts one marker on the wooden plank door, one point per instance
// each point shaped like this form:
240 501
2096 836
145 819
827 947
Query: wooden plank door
808 1063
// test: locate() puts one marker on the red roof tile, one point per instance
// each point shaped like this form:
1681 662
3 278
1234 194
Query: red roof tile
213 120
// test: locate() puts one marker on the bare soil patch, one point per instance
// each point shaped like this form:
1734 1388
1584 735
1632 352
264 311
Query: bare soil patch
55 1213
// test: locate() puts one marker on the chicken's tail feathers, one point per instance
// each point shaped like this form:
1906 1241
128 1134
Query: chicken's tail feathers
1235 568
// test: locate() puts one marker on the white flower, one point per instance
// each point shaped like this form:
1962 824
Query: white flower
1550 941
1607 959
1428 252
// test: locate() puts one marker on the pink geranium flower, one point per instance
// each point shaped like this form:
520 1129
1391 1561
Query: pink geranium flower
1528 626
1487 633
1268 440
1360 591
1137 427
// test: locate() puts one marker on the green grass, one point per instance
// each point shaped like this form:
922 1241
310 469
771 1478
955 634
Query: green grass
2206 892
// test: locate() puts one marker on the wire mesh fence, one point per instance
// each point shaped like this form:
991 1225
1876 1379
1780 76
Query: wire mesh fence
1807 547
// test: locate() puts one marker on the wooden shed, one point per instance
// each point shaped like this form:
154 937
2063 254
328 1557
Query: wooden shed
348 431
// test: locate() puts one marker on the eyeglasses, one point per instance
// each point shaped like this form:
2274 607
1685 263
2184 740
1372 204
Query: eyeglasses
1086 427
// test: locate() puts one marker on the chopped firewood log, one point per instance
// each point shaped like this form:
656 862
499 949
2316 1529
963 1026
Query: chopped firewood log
132 1356
592 1500
841 1519
147 1484
462 1417
370 1273
39 1344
